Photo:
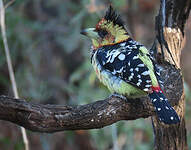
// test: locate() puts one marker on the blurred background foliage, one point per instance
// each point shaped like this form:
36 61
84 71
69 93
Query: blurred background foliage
52 66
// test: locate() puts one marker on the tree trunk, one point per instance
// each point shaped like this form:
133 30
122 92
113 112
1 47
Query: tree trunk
170 40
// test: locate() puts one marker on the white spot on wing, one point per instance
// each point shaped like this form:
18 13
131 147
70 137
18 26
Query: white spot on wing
158 73
148 85
119 71
128 47
112 59
112 55
140 65
146 89
154 100
103 62
130 77
145 73
148 81
122 44
159 109
140 80
114 72
129 63
172 118
137 69
121 57
135 57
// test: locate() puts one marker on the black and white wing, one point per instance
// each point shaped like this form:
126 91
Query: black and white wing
124 63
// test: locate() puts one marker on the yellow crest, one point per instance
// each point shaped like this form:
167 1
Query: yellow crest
109 30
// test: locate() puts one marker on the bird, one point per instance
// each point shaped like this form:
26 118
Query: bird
125 66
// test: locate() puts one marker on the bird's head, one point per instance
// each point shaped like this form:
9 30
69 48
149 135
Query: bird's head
108 31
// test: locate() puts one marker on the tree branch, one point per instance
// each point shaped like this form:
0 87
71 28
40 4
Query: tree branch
52 118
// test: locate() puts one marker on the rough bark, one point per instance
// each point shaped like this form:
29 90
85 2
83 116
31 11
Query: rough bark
52 118
170 36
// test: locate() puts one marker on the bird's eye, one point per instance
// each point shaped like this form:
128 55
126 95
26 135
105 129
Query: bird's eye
102 33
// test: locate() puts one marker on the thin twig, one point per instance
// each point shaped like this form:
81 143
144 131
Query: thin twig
10 68
9 3
114 137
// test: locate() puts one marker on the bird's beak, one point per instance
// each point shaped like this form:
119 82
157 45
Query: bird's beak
90 32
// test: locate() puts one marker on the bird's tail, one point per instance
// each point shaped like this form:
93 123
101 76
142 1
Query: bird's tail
164 110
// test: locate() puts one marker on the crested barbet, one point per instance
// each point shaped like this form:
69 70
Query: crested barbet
125 66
